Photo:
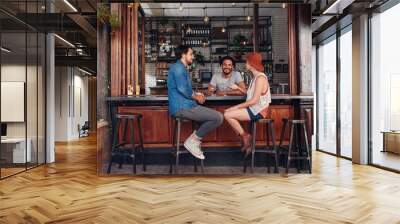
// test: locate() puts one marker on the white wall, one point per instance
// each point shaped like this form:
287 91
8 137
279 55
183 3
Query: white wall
16 73
71 102
33 127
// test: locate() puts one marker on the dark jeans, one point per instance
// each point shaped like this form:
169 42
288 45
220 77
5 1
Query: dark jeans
209 119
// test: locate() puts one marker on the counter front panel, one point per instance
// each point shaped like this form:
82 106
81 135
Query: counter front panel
158 125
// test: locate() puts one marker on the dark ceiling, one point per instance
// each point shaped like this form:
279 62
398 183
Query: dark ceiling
77 27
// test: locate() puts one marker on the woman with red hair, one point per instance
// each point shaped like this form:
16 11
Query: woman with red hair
257 101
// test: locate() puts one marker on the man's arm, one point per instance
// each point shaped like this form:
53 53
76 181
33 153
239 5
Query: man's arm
182 85
240 91
212 86
184 88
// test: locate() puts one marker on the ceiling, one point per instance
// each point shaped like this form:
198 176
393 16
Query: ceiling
211 9
76 26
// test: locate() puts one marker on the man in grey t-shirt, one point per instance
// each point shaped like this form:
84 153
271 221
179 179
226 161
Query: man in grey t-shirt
227 82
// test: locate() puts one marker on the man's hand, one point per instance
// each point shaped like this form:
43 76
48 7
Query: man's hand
234 87
199 97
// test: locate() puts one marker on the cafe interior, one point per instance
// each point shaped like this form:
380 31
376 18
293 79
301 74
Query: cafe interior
143 49
87 133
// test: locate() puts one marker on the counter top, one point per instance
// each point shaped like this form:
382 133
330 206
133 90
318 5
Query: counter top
152 98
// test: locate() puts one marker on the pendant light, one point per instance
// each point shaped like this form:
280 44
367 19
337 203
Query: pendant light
233 4
206 18
248 13
189 29
223 30
180 7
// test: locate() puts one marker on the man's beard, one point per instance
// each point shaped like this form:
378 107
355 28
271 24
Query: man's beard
226 73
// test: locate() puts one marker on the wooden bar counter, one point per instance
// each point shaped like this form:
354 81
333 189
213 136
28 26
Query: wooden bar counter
157 124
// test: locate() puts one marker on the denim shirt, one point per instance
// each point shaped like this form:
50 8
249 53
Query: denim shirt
179 88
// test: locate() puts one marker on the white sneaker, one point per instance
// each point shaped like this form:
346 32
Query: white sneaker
193 146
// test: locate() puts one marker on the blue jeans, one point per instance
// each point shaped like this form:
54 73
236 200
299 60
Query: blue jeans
208 119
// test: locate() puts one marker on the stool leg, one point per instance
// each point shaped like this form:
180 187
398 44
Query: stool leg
141 143
298 147
177 146
253 147
124 134
272 132
290 148
115 140
195 164
267 147
201 166
173 147
110 164
133 146
307 148
282 133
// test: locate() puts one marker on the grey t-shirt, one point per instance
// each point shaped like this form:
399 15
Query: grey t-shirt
222 84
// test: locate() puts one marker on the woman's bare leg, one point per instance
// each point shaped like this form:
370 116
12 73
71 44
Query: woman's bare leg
233 118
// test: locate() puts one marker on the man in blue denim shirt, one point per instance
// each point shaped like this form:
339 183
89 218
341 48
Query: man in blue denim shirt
183 102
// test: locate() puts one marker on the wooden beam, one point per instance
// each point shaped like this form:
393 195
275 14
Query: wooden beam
292 32
135 43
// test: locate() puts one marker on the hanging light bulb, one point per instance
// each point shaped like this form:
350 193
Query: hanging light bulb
180 7
248 18
223 14
206 18
283 5
233 4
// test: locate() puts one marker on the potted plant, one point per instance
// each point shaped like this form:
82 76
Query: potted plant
103 13
104 16
115 22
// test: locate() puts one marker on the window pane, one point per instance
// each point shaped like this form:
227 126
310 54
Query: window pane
385 84
14 153
346 94
327 96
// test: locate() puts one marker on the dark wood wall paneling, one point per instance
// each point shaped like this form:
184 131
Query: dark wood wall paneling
124 54
293 53
103 74
92 83
300 51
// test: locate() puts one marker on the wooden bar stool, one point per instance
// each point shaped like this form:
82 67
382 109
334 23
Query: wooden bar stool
176 146
270 134
296 152
124 149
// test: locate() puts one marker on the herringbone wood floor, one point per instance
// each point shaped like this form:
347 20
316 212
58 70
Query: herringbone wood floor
70 191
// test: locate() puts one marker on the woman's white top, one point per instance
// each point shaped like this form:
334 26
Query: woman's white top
265 98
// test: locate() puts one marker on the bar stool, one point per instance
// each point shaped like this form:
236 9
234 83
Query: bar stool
269 123
125 149
176 146
297 130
